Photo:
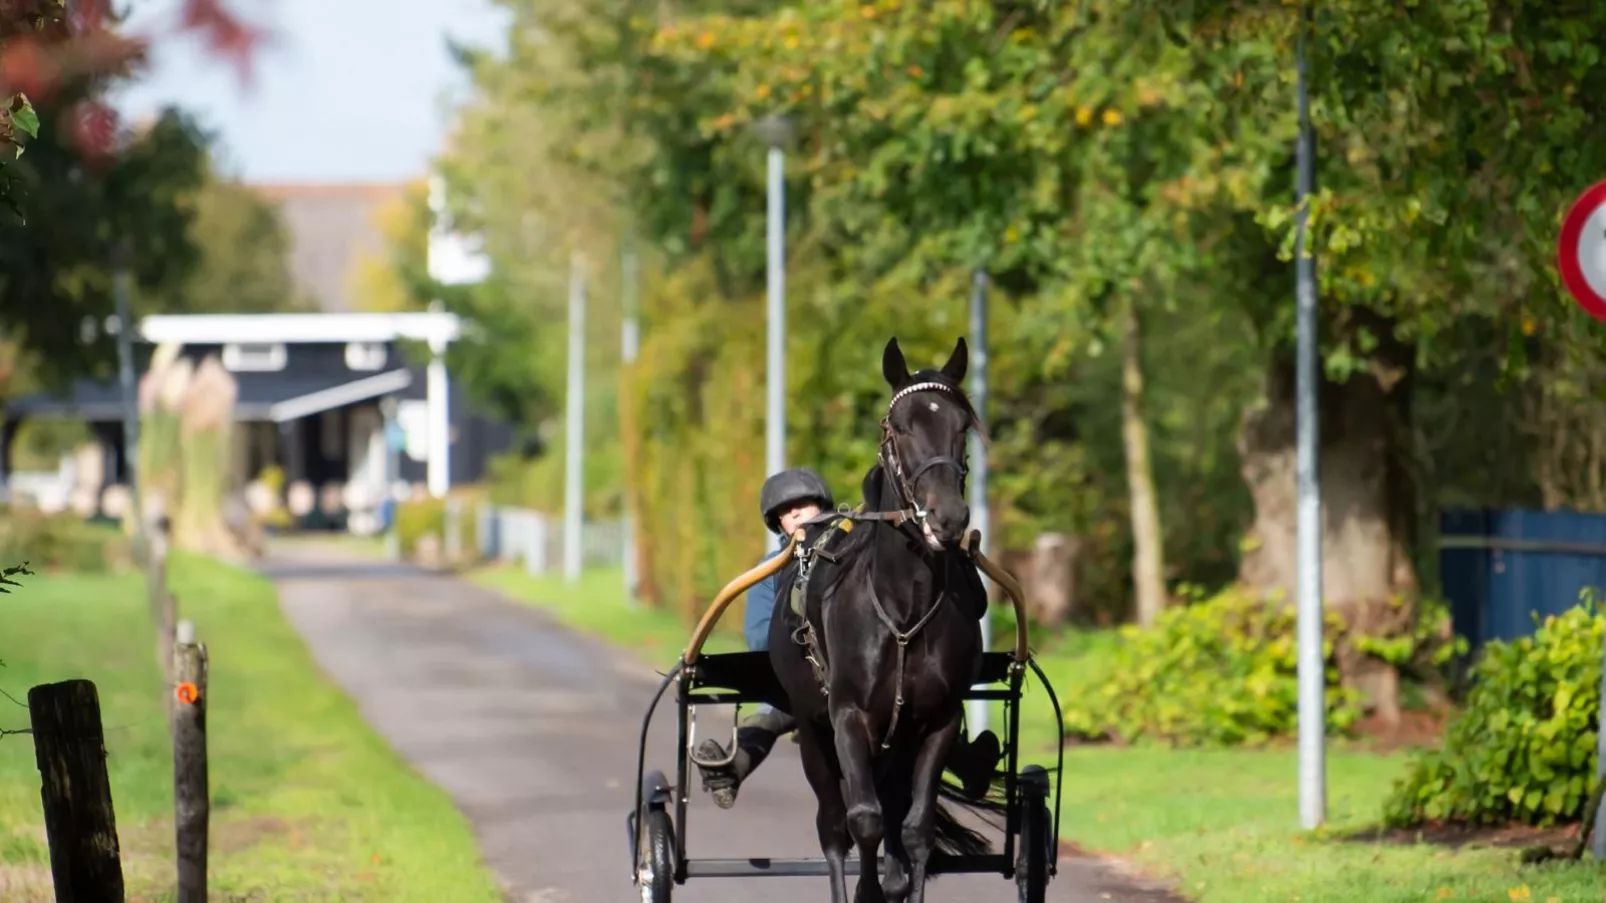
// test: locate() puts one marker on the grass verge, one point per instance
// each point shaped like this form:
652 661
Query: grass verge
596 605
308 803
1221 824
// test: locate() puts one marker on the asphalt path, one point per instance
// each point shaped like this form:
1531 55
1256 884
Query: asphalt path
532 729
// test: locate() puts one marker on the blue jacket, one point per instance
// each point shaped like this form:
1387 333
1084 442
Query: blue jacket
760 608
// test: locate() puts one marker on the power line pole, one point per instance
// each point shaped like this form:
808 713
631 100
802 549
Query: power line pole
1312 670
977 716
125 376
776 132
573 464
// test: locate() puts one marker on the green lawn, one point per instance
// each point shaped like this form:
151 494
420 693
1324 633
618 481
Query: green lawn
308 803
596 605
1223 825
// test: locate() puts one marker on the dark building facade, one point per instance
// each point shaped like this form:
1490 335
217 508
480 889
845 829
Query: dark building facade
315 392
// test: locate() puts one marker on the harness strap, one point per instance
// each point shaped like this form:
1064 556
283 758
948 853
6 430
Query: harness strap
902 638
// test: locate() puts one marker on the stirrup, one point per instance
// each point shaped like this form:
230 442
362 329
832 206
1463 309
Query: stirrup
725 758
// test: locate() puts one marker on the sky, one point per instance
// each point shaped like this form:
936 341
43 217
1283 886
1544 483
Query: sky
348 90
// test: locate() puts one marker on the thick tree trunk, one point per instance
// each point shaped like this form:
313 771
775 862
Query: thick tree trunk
1368 502
1148 542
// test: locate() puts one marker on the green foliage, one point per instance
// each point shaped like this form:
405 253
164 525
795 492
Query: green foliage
1088 155
244 249
8 576
1220 672
1523 748
60 542
418 518
56 268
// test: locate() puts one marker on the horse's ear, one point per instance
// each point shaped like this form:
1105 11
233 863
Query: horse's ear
957 362
893 367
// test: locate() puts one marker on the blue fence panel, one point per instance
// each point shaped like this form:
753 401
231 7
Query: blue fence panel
1501 569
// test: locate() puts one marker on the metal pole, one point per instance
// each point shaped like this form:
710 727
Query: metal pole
775 220
630 345
976 718
1312 672
573 470
1598 839
387 409
125 376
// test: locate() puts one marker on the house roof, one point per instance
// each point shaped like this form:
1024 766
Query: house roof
275 397
330 226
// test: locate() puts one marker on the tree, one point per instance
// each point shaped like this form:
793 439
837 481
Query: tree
244 253
45 47
56 268
390 279
1121 149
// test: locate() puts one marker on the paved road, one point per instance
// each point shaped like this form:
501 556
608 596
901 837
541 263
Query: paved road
532 730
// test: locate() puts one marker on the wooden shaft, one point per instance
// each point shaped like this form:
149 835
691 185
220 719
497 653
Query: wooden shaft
731 591
76 792
1011 588
191 793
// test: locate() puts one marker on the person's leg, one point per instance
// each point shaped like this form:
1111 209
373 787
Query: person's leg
975 762
755 737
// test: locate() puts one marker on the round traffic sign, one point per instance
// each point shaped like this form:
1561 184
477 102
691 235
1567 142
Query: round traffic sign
1581 251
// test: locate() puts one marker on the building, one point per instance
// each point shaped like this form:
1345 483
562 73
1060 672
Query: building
330 227
315 389
314 392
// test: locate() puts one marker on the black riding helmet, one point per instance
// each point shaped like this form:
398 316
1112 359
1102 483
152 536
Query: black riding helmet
790 488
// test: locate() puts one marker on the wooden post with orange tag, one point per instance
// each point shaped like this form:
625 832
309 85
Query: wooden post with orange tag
191 793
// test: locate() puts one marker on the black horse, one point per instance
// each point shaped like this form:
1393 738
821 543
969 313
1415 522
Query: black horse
877 672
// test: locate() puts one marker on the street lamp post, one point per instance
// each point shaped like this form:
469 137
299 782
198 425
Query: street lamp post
978 709
1312 668
776 131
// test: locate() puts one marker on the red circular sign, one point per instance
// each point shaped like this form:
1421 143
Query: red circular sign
1581 251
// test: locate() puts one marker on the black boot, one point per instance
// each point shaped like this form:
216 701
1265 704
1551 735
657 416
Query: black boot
754 740
975 762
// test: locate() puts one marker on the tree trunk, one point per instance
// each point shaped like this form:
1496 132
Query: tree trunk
1368 502
1050 579
1148 542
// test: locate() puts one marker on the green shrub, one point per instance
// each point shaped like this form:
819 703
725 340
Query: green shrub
416 519
61 541
1220 672
1523 748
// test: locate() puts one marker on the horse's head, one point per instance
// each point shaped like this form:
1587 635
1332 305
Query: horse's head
923 442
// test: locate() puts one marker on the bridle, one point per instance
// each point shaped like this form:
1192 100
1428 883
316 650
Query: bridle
891 456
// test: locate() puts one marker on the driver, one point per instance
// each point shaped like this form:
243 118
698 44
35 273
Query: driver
787 501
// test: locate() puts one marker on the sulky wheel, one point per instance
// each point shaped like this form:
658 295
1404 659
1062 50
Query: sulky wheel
655 860
1037 841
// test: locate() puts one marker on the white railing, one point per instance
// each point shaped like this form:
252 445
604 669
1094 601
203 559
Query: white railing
519 534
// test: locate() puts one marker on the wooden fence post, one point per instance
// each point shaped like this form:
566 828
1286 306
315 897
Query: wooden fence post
85 863
191 794
158 540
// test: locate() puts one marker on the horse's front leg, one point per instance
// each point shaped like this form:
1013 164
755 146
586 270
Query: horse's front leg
865 823
894 793
919 826
831 819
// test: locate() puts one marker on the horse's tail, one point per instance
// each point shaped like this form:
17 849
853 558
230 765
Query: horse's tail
956 838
